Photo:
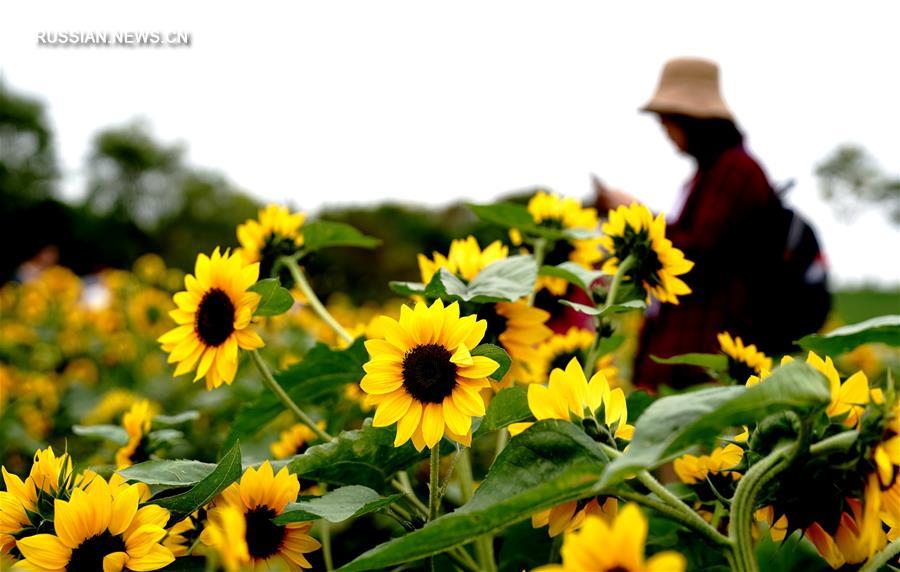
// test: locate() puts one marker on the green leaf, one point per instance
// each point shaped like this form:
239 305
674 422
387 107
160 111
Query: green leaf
629 306
226 472
364 456
408 289
550 463
337 505
506 280
322 374
510 405
671 425
182 417
715 362
497 354
164 436
175 473
880 330
326 234
573 273
274 300
114 433
514 215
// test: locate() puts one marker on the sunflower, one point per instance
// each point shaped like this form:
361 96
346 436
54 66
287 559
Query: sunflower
101 528
848 399
260 496
19 499
137 424
571 515
464 259
147 311
559 349
555 212
182 535
743 361
616 547
226 533
423 377
517 326
214 317
633 231
858 536
569 396
276 233
294 441
51 473
692 469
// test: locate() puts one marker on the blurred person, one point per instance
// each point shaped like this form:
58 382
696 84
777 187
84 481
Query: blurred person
727 219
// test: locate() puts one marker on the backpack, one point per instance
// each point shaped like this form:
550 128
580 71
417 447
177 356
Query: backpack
801 295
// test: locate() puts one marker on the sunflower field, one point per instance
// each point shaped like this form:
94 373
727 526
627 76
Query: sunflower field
227 419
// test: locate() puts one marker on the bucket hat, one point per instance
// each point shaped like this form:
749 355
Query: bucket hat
689 86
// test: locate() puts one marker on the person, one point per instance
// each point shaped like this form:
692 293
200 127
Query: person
720 222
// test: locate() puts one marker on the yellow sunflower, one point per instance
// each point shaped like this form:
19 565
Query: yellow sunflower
214 317
137 424
616 547
226 533
558 213
557 350
19 498
692 469
633 231
147 311
101 528
849 398
518 326
181 536
423 377
260 496
294 441
743 361
571 515
569 396
464 259
859 534
50 472
276 233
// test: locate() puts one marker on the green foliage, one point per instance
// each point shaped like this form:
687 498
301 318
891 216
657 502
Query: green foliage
883 330
337 506
364 456
497 354
672 425
322 374
506 280
326 234
509 406
629 306
513 215
573 273
715 362
550 463
274 299
113 433
174 473
177 419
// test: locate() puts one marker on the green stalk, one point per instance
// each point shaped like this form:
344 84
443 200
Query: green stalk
434 483
313 300
484 545
881 559
326 545
281 394
594 351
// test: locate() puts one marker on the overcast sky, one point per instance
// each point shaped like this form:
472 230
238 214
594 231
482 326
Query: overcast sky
330 103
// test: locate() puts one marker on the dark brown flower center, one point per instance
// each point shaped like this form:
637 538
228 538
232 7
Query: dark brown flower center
90 553
428 374
215 318
263 536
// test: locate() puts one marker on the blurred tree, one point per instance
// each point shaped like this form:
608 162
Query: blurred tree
28 169
132 176
849 178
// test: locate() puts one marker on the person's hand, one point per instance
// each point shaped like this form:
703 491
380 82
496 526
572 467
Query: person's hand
606 198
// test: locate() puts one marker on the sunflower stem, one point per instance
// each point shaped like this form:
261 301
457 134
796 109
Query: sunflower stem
881 559
540 248
594 352
434 484
484 545
313 300
326 545
282 395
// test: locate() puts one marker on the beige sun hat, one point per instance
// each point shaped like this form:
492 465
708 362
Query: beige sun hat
689 86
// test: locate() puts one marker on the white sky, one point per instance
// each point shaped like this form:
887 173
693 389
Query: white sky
324 103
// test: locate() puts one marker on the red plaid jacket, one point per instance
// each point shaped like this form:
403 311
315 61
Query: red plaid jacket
723 229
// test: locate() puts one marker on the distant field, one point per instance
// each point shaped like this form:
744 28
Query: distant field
861 304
